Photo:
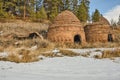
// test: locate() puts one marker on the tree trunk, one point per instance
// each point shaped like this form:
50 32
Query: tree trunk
24 14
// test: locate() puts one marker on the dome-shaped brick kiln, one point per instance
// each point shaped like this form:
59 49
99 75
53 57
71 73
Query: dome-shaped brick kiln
66 28
99 32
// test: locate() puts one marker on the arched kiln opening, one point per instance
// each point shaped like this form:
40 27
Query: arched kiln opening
77 39
110 38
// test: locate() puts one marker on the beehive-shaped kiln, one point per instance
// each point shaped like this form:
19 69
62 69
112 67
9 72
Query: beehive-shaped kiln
66 28
99 32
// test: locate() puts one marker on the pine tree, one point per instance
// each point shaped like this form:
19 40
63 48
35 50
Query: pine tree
66 5
69 5
60 6
41 14
82 12
74 6
96 16
52 8
86 5
1 9
8 8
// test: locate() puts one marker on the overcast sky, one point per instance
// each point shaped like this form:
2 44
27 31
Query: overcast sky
109 8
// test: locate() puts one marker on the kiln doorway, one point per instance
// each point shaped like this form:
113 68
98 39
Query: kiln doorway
77 39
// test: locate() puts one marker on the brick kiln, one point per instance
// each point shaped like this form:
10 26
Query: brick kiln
99 32
66 28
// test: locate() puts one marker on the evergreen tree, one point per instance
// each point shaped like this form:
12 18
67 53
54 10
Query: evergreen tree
52 8
31 8
66 4
2 12
82 13
60 6
74 6
26 8
8 8
96 16
70 5
41 14
86 5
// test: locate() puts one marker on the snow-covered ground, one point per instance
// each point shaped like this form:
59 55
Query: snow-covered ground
62 68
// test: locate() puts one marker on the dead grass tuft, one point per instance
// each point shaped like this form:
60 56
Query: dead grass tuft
45 44
97 56
1 49
85 54
68 53
111 53
13 58
88 45
48 54
21 56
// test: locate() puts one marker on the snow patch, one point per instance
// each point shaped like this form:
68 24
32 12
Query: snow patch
64 68
4 55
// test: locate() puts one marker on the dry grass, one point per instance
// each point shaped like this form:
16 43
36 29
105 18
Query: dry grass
101 45
110 53
22 27
1 49
27 43
89 45
22 55
48 55
13 58
60 54
45 44
68 53
23 52
24 49
9 30
27 57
